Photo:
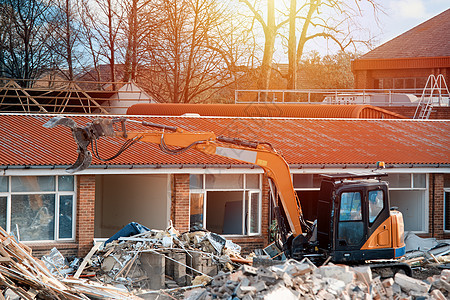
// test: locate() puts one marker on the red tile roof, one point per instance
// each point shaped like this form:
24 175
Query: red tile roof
428 39
24 142
264 110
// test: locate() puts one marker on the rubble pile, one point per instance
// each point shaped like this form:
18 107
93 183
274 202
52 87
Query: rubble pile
22 275
436 256
303 280
158 259
200 266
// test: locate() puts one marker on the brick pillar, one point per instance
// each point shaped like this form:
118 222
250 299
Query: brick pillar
180 202
85 213
438 206
265 211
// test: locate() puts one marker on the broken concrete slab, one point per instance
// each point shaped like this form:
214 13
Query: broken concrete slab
344 273
409 284
154 266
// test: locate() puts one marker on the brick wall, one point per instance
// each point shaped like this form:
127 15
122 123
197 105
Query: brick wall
180 202
66 249
85 213
436 206
265 211
250 243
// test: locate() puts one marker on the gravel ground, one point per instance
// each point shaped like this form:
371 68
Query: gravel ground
423 273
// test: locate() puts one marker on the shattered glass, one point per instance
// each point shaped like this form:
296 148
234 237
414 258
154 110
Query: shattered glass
34 215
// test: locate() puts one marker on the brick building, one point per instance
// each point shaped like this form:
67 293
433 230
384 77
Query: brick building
406 61
52 208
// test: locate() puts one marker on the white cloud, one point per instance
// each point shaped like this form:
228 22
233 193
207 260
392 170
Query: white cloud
408 9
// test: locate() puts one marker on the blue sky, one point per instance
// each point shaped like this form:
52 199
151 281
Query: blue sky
402 15
397 17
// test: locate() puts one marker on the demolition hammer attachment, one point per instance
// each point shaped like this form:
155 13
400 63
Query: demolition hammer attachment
83 137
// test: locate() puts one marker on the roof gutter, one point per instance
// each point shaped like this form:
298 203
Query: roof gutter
227 166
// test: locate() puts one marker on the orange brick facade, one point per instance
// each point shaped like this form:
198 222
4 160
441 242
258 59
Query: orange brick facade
367 72
84 234
436 212
180 202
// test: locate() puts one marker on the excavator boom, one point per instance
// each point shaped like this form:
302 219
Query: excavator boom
261 154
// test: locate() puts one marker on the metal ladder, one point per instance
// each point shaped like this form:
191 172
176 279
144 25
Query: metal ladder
435 85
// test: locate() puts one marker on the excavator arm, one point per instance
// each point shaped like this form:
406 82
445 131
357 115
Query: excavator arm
260 154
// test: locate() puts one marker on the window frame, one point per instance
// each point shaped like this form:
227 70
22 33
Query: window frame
381 209
361 216
246 192
446 190
58 194
344 224
425 203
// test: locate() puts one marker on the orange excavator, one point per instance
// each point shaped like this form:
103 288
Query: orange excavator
355 222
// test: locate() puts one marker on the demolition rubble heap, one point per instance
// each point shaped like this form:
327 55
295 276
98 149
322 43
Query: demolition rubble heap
196 266
303 280
22 275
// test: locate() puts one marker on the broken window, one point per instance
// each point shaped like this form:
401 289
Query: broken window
196 210
228 203
40 207
33 216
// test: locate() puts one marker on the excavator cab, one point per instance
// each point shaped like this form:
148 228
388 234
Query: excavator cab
355 222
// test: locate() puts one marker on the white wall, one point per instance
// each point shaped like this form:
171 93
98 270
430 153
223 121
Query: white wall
412 204
121 199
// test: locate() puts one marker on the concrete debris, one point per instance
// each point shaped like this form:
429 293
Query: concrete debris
302 280
156 259
201 265
428 256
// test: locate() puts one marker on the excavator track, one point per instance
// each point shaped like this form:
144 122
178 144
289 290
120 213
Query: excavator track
386 269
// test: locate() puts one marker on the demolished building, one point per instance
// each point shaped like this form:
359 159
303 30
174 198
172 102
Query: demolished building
49 207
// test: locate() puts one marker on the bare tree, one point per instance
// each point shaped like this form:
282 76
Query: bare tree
185 58
141 20
65 35
330 19
102 21
24 44
270 29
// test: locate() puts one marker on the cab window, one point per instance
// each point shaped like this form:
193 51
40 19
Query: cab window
376 204
350 227
350 207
